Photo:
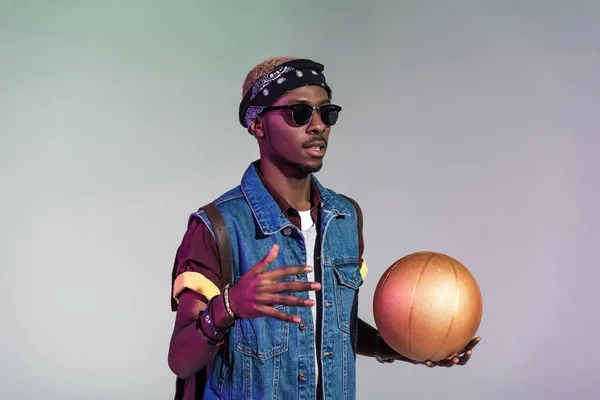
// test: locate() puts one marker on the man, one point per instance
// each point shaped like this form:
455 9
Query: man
287 328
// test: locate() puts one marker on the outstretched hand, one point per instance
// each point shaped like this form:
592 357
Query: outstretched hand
257 292
461 358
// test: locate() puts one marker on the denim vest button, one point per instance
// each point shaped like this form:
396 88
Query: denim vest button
302 377
302 326
287 231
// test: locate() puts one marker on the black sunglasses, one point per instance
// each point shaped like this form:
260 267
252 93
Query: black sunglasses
302 113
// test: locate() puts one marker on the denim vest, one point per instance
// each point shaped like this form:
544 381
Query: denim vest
265 358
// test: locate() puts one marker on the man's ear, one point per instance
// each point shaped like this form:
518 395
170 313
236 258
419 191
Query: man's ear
257 127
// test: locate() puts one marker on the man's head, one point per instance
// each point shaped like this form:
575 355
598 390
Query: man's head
286 105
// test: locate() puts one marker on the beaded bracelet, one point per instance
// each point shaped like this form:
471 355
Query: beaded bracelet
228 309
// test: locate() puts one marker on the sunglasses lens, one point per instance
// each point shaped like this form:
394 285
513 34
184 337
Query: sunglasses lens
301 113
329 115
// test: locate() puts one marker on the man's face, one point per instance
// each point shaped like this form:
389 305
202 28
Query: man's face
295 150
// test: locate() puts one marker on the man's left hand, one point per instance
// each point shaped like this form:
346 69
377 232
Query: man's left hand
460 358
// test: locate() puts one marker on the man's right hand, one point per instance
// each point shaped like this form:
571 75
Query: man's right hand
257 291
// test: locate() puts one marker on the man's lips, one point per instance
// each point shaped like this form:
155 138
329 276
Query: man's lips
320 144
316 149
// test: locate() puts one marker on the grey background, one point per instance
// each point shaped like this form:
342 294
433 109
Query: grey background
469 128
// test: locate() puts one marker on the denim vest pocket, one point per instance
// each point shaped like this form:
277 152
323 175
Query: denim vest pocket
347 281
262 338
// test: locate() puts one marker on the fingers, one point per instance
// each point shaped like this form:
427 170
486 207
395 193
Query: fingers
432 364
448 362
465 357
292 286
468 351
267 260
291 301
451 361
472 344
455 359
289 270
280 315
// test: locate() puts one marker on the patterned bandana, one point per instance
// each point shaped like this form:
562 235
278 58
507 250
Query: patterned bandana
288 76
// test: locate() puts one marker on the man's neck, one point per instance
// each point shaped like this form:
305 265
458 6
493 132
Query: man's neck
296 191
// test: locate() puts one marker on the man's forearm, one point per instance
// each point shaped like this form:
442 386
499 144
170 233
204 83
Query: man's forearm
366 343
189 350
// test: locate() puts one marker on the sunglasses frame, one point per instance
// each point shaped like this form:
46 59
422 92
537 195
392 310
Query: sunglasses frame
291 108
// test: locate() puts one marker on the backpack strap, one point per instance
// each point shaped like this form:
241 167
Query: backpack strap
218 224
223 247
358 212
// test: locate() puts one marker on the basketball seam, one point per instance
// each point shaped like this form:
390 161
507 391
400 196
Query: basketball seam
412 305
455 310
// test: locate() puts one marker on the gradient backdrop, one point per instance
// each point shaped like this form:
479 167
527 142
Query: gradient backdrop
468 128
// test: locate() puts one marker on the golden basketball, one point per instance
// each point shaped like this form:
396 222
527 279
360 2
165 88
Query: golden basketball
427 306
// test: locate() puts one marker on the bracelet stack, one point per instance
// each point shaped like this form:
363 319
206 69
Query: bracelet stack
216 335
216 338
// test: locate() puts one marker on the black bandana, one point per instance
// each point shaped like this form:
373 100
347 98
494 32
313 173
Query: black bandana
288 76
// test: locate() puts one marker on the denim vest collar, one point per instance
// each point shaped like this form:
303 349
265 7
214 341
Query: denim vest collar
262 203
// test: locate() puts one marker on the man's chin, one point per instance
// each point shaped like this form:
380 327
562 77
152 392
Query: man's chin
305 169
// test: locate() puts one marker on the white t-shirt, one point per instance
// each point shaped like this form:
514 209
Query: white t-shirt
309 231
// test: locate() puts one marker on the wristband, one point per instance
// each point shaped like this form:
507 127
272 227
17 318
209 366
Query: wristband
209 319
376 351
209 340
